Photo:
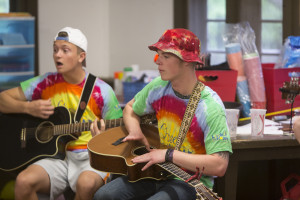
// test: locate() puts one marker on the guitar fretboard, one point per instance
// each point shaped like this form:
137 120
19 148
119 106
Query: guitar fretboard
64 129
85 126
202 190
46 129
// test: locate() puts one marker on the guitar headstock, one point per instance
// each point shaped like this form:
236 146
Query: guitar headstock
290 89
206 194
149 119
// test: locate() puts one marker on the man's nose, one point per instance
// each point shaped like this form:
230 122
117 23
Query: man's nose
157 59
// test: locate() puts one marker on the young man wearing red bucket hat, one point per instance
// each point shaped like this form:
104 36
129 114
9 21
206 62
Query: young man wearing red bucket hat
206 145
38 97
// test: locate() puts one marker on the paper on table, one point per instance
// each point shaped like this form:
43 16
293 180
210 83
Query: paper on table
288 121
271 128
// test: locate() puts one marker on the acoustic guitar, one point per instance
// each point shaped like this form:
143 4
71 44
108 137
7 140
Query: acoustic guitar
108 153
26 139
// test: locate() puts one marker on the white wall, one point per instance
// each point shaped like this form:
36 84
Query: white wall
134 25
118 31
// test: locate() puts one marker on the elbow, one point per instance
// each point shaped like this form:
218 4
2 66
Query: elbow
221 169
221 172
220 165
128 107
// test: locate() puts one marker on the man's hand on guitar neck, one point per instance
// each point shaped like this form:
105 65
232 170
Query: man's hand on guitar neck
95 129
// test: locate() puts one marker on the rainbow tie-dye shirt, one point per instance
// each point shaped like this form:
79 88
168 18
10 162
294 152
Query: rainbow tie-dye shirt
103 103
208 131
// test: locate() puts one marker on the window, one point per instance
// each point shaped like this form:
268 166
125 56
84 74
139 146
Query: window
207 19
4 6
215 27
271 30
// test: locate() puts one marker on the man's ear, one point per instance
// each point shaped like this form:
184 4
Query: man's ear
82 56
189 64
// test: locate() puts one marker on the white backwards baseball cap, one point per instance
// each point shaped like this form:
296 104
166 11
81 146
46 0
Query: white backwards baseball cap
74 36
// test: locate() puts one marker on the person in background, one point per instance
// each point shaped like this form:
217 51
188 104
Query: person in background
39 96
207 144
296 128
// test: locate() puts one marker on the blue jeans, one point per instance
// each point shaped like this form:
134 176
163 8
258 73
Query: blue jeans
170 189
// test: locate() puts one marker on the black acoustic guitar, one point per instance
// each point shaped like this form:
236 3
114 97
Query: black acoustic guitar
26 139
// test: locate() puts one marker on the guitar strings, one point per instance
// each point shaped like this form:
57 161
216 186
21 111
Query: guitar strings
77 127
184 176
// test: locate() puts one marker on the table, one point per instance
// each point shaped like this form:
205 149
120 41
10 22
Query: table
247 148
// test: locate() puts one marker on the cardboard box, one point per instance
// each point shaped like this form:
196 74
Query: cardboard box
222 82
274 79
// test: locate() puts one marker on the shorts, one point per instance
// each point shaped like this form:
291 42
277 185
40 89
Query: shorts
64 173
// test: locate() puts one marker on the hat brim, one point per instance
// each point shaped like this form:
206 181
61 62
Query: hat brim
164 48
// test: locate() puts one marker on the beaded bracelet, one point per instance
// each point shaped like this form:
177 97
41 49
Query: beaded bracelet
169 155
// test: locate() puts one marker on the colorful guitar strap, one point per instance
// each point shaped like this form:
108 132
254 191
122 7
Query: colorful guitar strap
85 96
189 113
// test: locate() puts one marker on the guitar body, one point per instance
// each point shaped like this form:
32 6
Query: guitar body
105 156
109 154
36 143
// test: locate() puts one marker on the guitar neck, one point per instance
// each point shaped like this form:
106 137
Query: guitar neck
85 126
112 123
64 129
79 127
202 190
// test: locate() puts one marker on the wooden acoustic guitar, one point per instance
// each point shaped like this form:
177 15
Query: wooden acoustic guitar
26 139
108 153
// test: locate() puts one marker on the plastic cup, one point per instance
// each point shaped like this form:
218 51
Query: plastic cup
232 116
255 80
243 95
235 58
257 122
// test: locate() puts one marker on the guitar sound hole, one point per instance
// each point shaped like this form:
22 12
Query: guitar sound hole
140 151
44 132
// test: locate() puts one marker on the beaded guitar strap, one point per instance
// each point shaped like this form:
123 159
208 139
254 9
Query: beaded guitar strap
189 113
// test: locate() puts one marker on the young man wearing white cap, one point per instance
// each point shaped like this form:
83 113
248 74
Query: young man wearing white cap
39 96
206 145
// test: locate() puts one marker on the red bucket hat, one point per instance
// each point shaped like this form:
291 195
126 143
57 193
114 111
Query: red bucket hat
181 42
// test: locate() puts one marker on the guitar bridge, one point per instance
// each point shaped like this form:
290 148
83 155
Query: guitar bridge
119 141
23 138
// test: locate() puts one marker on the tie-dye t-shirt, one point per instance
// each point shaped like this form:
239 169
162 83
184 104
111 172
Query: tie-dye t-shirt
102 104
208 131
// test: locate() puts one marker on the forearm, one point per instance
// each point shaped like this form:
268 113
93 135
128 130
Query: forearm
213 165
13 101
131 120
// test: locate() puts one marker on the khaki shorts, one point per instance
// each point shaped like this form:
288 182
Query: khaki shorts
64 173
